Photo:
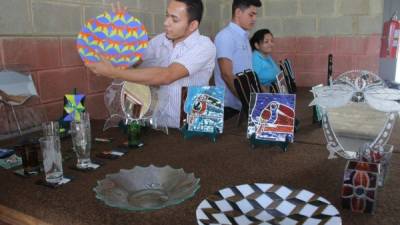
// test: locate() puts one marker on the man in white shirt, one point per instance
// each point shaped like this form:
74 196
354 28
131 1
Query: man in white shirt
176 58
234 52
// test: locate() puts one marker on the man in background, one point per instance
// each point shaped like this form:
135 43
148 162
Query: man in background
234 53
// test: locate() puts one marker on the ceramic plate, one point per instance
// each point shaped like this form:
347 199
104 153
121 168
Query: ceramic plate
264 204
118 37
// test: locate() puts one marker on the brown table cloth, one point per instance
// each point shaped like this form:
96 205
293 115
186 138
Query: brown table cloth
228 162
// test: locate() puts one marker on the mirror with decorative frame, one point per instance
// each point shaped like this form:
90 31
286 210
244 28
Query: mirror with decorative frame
129 101
358 110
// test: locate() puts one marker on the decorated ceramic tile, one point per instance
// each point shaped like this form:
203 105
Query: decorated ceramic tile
360 183
263 203
272 116
204 107
281 83
118 37
381 155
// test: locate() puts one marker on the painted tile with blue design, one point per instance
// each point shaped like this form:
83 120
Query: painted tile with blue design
272 116
204 107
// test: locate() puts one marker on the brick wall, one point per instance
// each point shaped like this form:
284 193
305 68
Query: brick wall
310 55
56 69
39 35
306 31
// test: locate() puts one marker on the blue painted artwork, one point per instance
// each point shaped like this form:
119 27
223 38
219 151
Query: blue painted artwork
272 116
204 107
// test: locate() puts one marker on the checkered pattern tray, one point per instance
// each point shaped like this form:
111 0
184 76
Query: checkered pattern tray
264 204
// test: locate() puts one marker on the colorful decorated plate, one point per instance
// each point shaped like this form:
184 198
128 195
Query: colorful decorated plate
118 37
261 203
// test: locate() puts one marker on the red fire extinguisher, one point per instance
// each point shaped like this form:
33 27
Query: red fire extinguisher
390 38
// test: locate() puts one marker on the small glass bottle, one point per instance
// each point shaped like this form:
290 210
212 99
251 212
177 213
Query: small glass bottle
134 134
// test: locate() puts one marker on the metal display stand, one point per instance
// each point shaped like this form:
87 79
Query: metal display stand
254 142
189 134
16 88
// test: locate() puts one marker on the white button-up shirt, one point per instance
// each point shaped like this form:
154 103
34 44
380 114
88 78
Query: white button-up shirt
196 53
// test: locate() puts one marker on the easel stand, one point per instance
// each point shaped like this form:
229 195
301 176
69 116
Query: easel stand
254 142
189 134
315 116
296 124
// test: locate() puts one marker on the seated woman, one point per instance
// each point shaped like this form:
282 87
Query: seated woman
263 64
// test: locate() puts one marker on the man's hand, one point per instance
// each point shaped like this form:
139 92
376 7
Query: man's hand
103 68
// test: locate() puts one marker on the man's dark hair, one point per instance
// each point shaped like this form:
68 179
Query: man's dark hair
244 4
194 9
258 37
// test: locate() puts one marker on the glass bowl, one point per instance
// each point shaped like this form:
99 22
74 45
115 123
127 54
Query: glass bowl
146 188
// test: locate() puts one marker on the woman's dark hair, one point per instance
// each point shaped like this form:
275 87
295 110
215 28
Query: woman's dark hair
258 37
194 9
244 4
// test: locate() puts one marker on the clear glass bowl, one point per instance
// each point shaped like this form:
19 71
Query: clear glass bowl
146 188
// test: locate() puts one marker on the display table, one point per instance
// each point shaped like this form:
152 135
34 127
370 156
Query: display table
228 162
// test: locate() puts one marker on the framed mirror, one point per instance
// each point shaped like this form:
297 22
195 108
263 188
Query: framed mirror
129 101
135 100
357 110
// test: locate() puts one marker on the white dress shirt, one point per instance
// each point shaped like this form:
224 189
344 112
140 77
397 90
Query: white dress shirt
196 53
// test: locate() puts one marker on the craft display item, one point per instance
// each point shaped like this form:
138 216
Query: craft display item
204 107
146 188
263 203
357 108
360 183
281 83
73 107
272 117
117 37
